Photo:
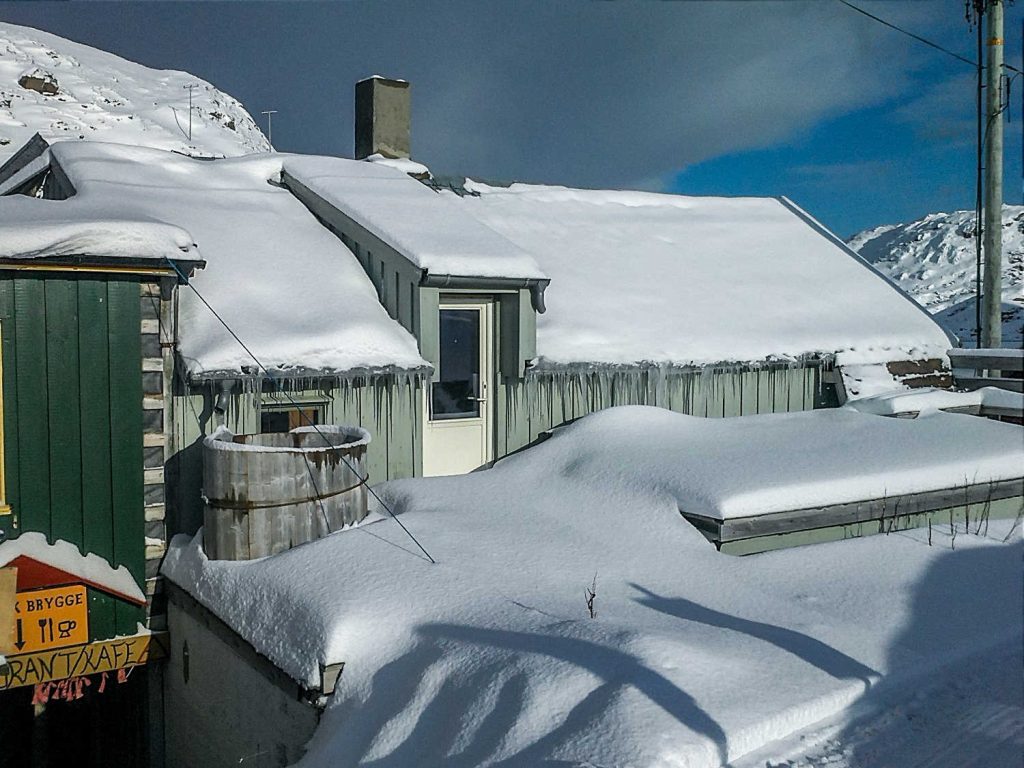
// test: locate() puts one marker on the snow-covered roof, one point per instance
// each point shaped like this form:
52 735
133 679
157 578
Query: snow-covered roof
102 97
645 278
293 292
429 229
30 231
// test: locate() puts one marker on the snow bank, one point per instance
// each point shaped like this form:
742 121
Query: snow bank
293 292
694 658
90 568
102 97
403 164
642 278
429 229
861 381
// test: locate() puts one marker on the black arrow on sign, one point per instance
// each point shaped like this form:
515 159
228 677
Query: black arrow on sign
20 643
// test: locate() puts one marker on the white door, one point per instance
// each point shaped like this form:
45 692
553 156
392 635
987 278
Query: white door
457 423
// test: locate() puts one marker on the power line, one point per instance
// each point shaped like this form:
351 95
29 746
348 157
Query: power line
919 39
301 411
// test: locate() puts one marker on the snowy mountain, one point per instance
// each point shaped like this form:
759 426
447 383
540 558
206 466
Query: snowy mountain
65 90
933 259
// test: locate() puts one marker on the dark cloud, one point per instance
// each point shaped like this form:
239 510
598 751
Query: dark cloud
623 93
602 94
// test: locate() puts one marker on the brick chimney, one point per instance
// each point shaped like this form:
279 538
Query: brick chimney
382 117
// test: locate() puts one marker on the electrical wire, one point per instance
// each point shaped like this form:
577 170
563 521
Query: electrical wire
301 411
917 37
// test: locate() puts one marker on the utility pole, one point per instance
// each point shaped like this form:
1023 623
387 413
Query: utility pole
270 128
991 292
190 87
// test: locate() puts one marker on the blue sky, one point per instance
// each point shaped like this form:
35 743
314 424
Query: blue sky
856 123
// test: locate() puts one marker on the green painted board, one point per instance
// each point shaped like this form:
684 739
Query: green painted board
943 522
9 384
62 385
94 408
126 437
32 442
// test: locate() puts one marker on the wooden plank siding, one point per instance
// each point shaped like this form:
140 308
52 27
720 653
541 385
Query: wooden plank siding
529 407
392 411
72 389
389 407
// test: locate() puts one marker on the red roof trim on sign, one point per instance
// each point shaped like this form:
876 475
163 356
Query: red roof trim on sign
34 574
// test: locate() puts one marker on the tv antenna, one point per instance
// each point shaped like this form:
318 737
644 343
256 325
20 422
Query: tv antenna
190 87
270 126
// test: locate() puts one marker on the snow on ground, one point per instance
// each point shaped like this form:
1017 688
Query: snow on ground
102 97
715 279
969 716
694 657
961 320
933 259
429 229
295 292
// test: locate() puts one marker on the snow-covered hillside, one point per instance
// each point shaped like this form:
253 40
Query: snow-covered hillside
933 259
65 90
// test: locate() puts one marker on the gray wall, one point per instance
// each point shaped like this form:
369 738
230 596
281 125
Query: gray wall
226 713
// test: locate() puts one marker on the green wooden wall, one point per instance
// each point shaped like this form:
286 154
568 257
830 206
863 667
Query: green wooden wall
527 407
72 389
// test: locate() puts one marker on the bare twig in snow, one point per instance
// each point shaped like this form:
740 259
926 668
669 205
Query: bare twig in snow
590 593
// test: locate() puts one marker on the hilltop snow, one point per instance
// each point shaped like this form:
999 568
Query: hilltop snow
65 90
933 259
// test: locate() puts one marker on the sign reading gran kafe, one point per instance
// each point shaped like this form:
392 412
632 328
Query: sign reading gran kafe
44 621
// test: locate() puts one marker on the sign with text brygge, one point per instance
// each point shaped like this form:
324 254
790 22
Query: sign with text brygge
51 618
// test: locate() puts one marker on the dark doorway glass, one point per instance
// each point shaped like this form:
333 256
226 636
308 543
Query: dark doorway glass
455 391
286 421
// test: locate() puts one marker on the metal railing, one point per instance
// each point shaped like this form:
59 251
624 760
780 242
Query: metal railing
976 368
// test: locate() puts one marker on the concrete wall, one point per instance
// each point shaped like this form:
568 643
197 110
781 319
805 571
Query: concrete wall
223 711
383 118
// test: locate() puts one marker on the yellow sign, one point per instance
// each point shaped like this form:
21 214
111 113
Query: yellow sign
8 586
50 618
91 659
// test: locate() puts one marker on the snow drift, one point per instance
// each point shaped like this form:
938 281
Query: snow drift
694 658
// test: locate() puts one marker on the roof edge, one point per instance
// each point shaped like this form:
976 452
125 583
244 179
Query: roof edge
820 228
28 152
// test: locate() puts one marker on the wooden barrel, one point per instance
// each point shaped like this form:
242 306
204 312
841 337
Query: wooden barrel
268 493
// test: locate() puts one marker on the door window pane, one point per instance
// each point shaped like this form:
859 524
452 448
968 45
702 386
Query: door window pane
287 420
456 386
